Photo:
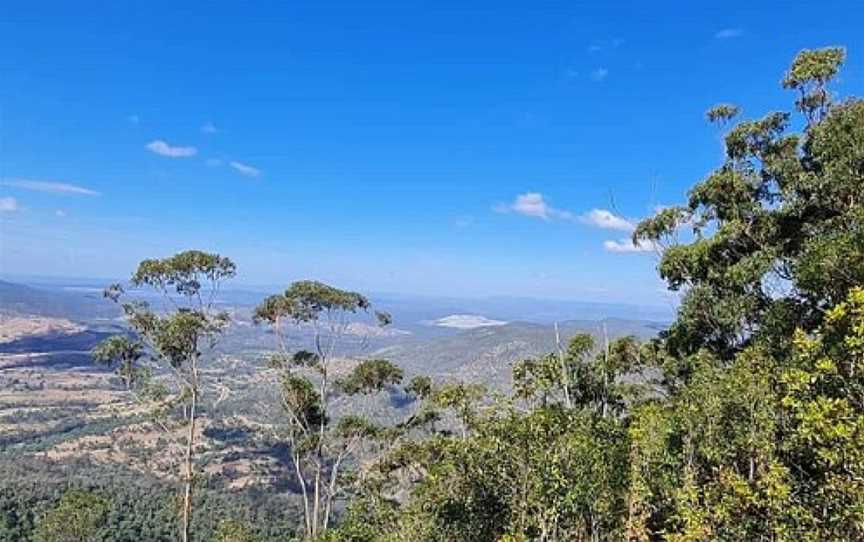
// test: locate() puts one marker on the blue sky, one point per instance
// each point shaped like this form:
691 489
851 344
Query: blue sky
451 148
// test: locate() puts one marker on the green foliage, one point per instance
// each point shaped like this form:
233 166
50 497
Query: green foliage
371 376
139 507
722 113
122 354
171 342
809 74
324 449
420 386
303 402
761 434
306 300
230 530
757 432
76 518
184 272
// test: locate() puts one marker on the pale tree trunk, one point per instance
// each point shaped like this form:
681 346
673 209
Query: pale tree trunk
189 476
317 503
302 481
605 371
331 489
565 375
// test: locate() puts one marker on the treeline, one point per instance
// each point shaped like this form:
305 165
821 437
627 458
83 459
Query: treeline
743 421
82 501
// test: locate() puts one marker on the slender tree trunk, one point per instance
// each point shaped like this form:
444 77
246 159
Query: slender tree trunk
306 511
331 490
189 478
316 505
565 375
605 371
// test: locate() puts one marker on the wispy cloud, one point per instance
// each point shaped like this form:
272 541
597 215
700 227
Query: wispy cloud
728 33
600 74
9 205
598 46
245 169
607 220
60 213
208 128
534 205
626 246
48 186
162 148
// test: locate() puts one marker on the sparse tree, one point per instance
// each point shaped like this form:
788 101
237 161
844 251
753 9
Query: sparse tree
311 381
169 341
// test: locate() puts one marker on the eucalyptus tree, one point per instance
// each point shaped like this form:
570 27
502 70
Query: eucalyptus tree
167 343
777 227
760 437
578 377
311 381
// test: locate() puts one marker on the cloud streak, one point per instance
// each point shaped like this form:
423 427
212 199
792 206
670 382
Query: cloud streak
162 148
9 205
729 33
245 169
626 246
534 205
49 186
607 220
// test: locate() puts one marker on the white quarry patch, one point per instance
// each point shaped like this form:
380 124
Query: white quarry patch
467 321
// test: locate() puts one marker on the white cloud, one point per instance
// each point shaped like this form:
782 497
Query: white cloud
208 128
48 186
9 205
624 246
728 33
164 149
599 74
534 205
598 46
60 213
245 169
607 220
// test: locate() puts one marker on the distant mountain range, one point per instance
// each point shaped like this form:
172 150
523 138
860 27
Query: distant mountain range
472 339
78 305
486 354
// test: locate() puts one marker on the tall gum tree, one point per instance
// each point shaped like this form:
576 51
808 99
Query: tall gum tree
310 382
167 343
